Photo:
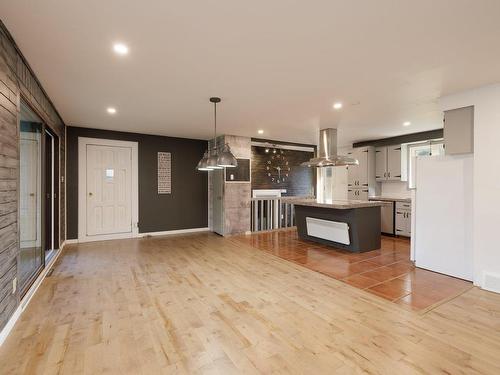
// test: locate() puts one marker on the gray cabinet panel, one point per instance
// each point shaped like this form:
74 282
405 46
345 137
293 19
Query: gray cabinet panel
459 131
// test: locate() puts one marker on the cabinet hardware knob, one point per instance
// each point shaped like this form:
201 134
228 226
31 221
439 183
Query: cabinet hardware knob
90 194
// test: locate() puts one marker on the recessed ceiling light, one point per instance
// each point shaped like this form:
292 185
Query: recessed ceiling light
111 110
260 131
406 123
337 105
120 48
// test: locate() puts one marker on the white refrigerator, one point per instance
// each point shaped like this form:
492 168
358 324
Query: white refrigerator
443 225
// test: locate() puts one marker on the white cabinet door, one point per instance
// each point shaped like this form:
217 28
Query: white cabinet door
394 163
357 194
400 223
352 172
362 177
408 223
403 219
363 194
352 194
380 163
109 198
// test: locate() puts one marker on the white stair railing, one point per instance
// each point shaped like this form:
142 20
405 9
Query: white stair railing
272 213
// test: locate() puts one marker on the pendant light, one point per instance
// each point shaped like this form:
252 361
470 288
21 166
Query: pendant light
203 163
213 159
226 158
214 155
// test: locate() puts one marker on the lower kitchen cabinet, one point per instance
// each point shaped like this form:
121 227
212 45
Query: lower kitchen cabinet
403 219
357 194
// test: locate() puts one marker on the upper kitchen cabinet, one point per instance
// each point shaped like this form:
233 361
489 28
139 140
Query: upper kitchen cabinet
459 131
362 176
388 163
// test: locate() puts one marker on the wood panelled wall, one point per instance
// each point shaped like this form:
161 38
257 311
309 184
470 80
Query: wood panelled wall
17 80
300 180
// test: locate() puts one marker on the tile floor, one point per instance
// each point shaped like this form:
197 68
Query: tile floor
386 272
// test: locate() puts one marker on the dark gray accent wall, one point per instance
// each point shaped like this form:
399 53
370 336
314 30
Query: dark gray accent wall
300 180
185 208
406 138
18 80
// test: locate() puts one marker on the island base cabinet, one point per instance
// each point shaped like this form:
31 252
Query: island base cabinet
363 226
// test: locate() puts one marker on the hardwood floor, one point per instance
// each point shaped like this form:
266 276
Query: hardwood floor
386 272
206 304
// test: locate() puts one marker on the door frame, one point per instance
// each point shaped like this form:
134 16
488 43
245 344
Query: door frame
56 190
82 193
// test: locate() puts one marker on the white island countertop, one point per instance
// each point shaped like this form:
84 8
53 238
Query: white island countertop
335 204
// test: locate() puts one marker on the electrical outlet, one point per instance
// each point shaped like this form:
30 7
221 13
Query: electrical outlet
14 285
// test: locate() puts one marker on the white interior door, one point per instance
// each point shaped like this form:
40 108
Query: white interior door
109 181
29 190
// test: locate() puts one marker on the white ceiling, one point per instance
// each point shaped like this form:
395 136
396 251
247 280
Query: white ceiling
277 64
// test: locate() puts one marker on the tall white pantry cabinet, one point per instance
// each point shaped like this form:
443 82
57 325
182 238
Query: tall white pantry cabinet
361 181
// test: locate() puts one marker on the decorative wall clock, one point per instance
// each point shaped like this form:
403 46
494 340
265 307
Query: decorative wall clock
277 167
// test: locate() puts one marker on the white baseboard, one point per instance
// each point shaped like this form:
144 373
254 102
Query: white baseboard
10 324
491 282
147 234
28 296
170 232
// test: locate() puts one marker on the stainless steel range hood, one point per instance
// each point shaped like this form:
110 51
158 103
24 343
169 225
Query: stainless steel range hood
327 156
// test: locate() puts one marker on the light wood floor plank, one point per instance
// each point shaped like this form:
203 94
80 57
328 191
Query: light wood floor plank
202 304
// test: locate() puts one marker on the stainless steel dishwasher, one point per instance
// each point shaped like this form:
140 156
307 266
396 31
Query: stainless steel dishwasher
387 217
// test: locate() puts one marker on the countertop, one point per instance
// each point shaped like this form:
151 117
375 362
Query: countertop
335 204
390 198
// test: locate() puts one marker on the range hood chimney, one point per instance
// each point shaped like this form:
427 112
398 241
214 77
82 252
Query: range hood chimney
327 156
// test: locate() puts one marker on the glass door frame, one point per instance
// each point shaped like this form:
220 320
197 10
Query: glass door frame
25 287
54 166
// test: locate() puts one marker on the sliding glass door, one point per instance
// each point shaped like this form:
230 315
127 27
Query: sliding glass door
32 258
38 195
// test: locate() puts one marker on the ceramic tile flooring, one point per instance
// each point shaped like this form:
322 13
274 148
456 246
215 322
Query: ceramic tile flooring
386 272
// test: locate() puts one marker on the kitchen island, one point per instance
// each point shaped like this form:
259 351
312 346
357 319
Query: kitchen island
352 225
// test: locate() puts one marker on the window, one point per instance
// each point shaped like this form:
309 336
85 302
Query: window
414 150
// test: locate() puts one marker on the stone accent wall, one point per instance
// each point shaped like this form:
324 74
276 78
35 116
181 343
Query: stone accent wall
17 80
237 194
